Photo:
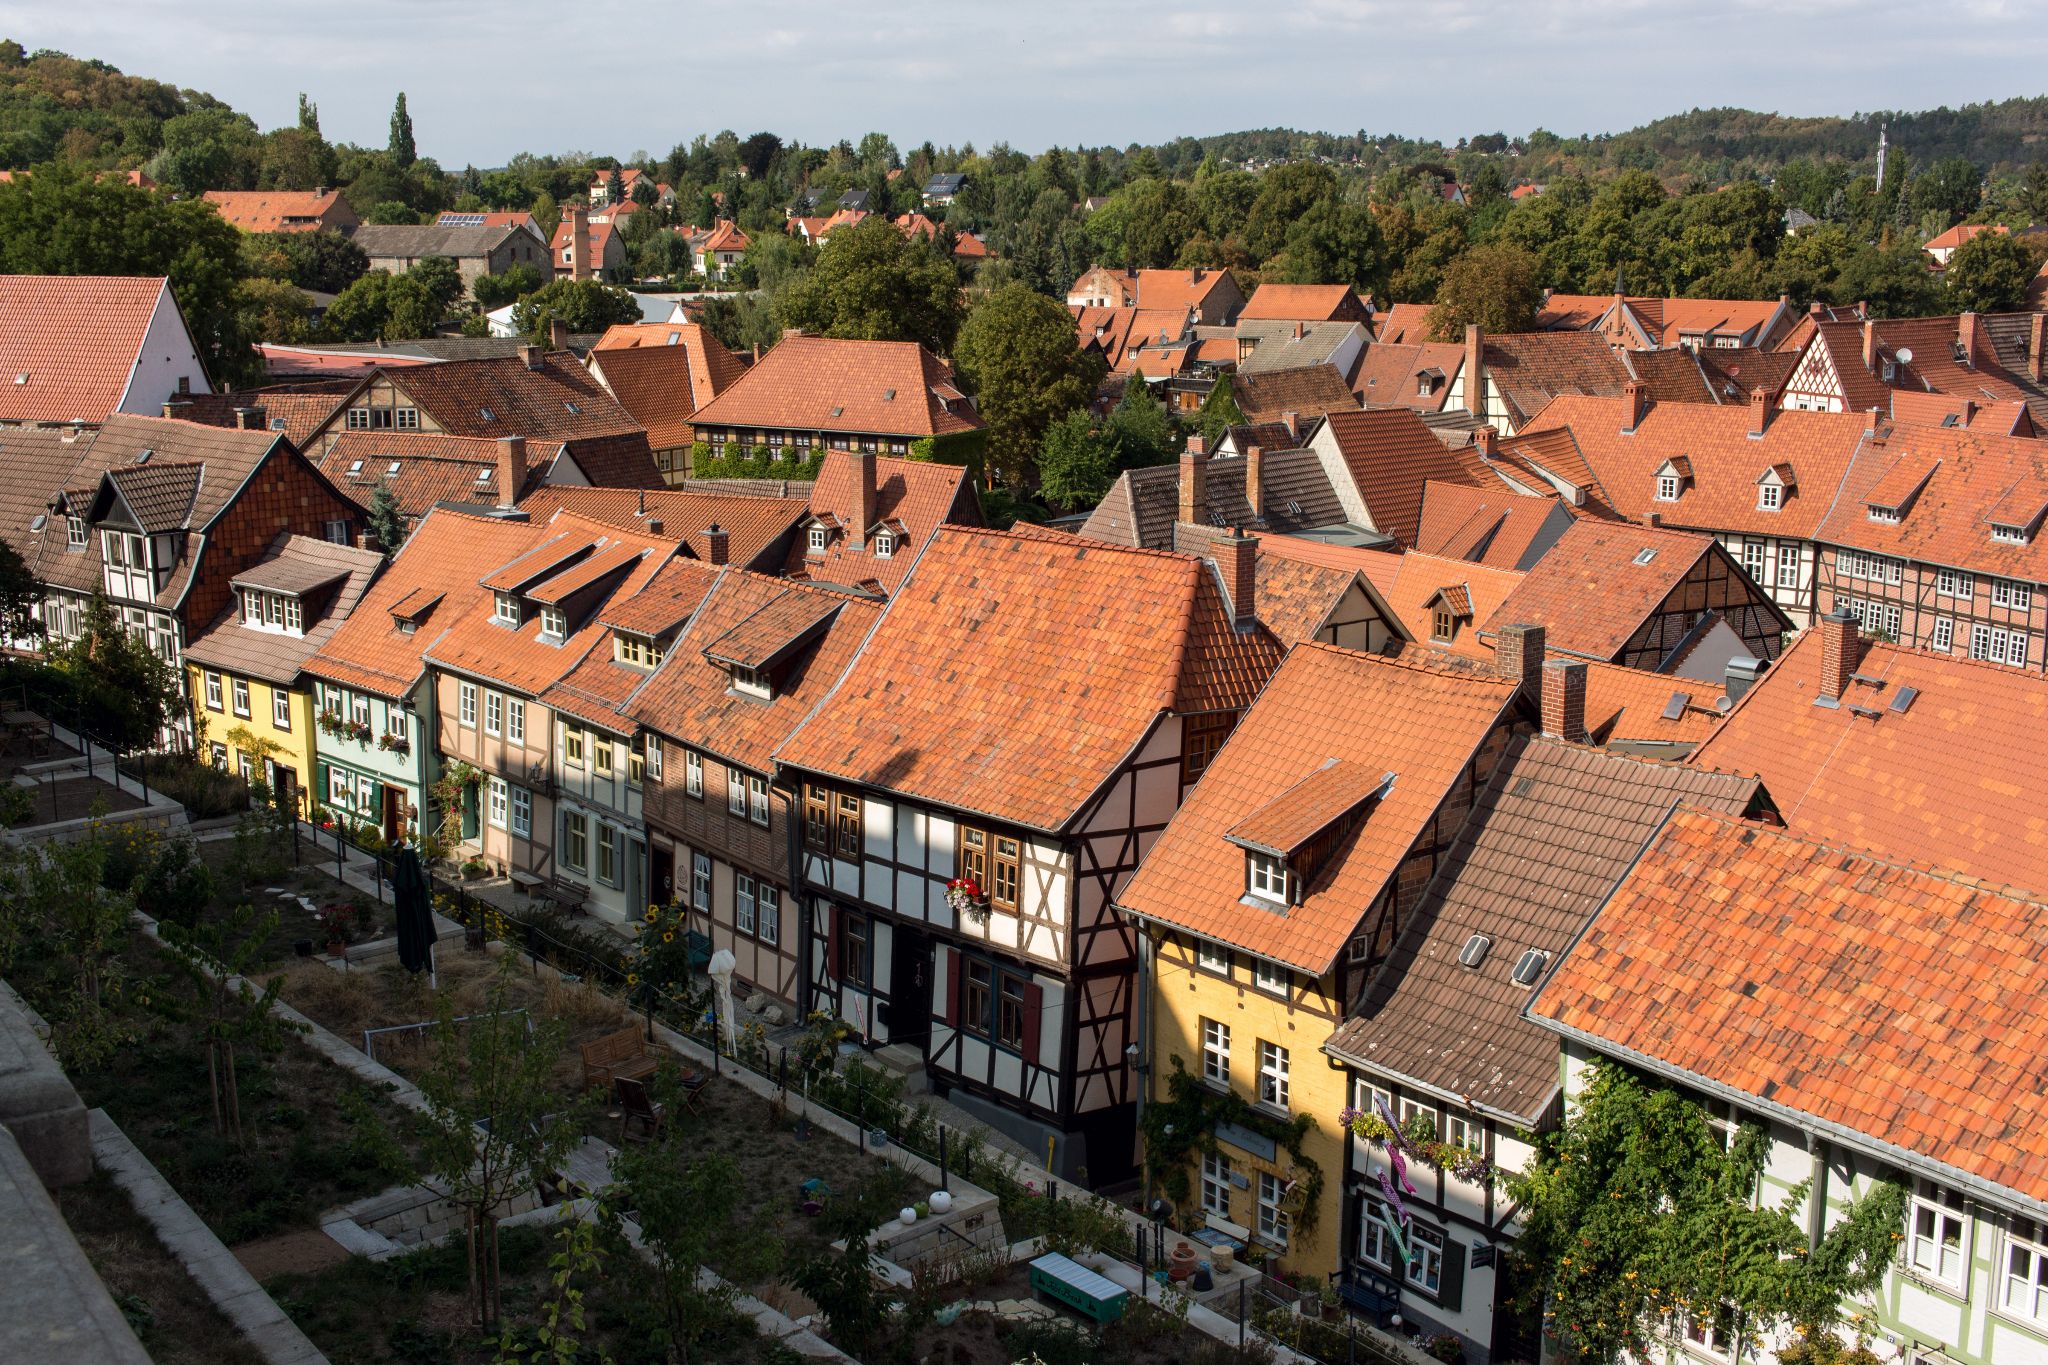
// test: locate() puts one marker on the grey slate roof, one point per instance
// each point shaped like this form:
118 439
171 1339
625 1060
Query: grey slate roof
1140 508
304 566
417 241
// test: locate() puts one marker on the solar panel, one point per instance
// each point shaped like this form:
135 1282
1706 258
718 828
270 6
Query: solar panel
1675 708
1903 701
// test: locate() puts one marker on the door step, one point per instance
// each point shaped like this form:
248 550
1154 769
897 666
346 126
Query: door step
905 1062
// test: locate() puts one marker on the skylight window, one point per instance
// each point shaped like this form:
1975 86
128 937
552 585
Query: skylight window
571 406
1645 555
21 379
1530 967
355 467
142 456
1474 951
483 476
487 414
391 469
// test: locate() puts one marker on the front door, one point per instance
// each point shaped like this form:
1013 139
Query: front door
394 812
284 784
910 986
662 874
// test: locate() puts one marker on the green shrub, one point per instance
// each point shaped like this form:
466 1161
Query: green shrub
205 792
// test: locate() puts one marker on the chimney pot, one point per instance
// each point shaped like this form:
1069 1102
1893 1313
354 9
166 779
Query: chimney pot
1759 410
1656 518
250 418
1293 424
530 356
1518 654
1966 334
1196 445
1254 480
558 335
654 526
1564 700
1239 561
511 469
717 544
1815 310
1635 404
863 511
1488 441
1837 653
1869 344
1475 370
1194 488
1297 331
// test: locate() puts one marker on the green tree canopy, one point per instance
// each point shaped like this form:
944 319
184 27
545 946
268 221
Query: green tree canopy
403 152
1018 357
1894 282
1139 430
1077 464
325 260
380 304
585 305
1495 286
122 692
507 286
876 283
442 279
1219 413
1988 274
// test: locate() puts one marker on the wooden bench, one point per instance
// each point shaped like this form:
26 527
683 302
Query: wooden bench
569 895
1069 1282
616 1056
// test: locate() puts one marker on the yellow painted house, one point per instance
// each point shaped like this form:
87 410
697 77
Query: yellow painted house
251 713
1276 891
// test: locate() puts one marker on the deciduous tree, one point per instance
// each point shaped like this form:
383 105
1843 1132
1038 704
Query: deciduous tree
1496 286
1018 357
1988 274
585 305
875 283
1077 464
401 149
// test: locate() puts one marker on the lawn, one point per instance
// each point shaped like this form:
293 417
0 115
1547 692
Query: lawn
312 877
178 1324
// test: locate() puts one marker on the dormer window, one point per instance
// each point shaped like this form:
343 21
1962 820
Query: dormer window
1443 626
885 545
1888 515
639 651
1267 877
752 682
74 533
1889 371
2007 534
1671 478
819 538
273 611
1769 496
505 610
1667 488
554 624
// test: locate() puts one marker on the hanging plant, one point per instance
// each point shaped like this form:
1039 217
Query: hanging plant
965 895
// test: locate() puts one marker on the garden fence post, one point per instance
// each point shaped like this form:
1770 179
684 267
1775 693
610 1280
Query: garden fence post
1240 1315
782 1075
944 1183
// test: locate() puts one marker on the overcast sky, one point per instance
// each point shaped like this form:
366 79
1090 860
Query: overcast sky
487 78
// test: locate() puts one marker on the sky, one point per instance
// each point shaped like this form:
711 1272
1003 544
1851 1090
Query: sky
485 79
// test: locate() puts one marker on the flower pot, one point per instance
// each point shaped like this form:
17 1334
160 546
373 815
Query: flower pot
1332 1312
941 1201
336 947
1224 1258
1180 1266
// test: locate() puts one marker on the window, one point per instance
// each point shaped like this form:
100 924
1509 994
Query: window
700 881
607 855
1877 618
1769 496
817 541
337 780
74 533
1266 877
1704 1337
652 744
1873 568
757 800
241 696
500 803
600 753
1442 625
770 914
1943 635
575 841
848 829
2005 593
736 793
465 704
1667 488
1410 1110
1272 1216
522 812
280 708
1216 1186
1788 566
248 769
1201 737
1459 1132
974 855
554 623
1753 559
1375 1247
1934 1234
408 419
1010 993
1425 1257
977 990
572 745
637 650
1215 1051
213 692
693 772
753 682
505 611
515 720
1213 957
2025 1291
1955 583
1272 1074
743 902
1002 890
885 545
494 713
1998 646
636 766
1270 976
856 952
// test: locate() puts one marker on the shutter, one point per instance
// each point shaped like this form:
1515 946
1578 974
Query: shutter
832 937
1034 1008
953 984
1451 1283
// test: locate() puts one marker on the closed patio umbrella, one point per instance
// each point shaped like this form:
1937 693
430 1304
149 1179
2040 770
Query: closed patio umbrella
414 902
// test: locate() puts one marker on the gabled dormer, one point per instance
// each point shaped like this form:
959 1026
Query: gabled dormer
1893 495
563 581
1674 478
1287 841
1450 611
887 537
411 610
820 532
2016 518
762 653
1774 486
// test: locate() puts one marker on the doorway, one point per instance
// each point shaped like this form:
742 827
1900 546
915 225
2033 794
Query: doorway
393 820
661 874
910 986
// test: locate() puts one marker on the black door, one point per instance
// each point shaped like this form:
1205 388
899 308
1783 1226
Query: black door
910 987
661 874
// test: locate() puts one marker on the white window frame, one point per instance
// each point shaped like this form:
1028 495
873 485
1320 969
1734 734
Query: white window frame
1788 566
359 707
522 812
280 708
1270 976
465 705
651 746
554 624
239 689
743 903
2023 1272
1375 1246
213 701
494 713
818 540
693 772
2007 593
1425 1258
1769 497
1943 634
1931 1216
735 792
768 900
1267 877
1954 583
1667 488
515 721
700 881
1275 1081
1216 1185
1273 1221
1753 559
757 800
338 785
500 804
1216 1051
1212 956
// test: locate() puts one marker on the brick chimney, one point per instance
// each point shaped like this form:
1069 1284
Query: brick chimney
1488 441
1759 411
1870 346
1816 310
1292 421
1237 558
251 418
862 512
1254 480
579 242
1194 486
2037 337
1518 654
1966 336
531 356
511 469
1564 700
1635 404
1475 370
558 335
717 544
1837 653
175 407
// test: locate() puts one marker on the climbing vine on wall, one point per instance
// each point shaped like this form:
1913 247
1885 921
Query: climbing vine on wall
1181 1129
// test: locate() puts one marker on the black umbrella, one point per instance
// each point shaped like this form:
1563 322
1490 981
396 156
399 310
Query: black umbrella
414 902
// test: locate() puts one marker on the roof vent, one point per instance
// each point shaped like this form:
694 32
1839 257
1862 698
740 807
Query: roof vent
1645 555
888 395
1902 700
1530 967
142 456
21 379
571 406
1948 419
277 424
1474 951
1724 703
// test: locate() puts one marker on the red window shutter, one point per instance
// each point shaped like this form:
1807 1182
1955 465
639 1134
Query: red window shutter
954 969
832 940
1034 1006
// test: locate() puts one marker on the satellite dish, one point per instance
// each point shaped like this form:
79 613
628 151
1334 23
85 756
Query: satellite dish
1904 356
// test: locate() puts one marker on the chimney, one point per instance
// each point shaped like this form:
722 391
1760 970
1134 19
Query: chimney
1475 370
1194 486
1837 654
319 191
1488 441
1635 405
251 418
1564 700
1742 674
530 356
1237 558
1870 346
1816 310
1297 331
1195 275
1969 411
1254 480
1759 411
558 335
175 407
1966 337
1656 518
862 513
2037 337
511 469
717 543
1292 420
655 526
1518 654
579 242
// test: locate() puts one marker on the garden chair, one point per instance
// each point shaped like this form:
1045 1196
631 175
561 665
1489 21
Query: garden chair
691 1090
636 1103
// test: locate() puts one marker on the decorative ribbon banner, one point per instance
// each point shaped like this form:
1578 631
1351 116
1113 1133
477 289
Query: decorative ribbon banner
1394 1233
1394 1198
1400 1140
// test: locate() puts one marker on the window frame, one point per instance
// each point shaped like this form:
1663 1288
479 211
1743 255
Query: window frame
848 825
2023 1237
572 746
1216 1051
2012 594
1954 583
1770 497
743 903
1006 872
1211 956
522 813
1272 977
515 721
1276 1084
213 692
856 949
280 709
768 912
576 841
700 881
1202 738
465 705
238 691
499 803
1938 1206
757 800
735 792
1216 1186
1426 1250
977 997
1273 1224
1262 873
494 713
1667 488
693 773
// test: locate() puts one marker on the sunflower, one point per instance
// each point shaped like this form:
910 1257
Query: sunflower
669 937
632 979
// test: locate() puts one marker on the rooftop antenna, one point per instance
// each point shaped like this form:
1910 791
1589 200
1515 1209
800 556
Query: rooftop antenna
1882 145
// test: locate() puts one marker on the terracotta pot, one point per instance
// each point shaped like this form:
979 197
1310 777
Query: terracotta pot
1181 1264
336 947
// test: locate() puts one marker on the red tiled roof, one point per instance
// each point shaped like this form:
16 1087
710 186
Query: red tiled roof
755 526
599 685
1979 374
430 469
298 411
1405 324
1302 303
1532 368
919 496
70 344
1414 717
712 367
1948 486
1632 706
301 565
1419 581
655 385
1595 589
1883 998
600 237
1390 456
1306 391
1946 775
809 383
1961 233
1489 526
1390 374
282 210
1016 670
1287 822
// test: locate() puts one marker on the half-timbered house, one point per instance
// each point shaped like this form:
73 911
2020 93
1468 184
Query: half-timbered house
751 661
1288 874
1857 366
1024 720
